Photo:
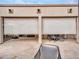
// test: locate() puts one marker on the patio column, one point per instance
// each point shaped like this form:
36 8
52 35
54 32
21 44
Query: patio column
1 30
77 29
40 28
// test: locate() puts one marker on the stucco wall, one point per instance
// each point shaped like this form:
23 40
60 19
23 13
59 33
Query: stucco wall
32 12
1 31
45 11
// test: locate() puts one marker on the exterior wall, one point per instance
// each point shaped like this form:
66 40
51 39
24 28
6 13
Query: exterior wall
45 11
77 29
49 11
1 31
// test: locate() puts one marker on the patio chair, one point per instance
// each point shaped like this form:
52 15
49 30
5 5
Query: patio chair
47 51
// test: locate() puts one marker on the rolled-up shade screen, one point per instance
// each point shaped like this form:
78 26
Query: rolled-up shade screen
20 26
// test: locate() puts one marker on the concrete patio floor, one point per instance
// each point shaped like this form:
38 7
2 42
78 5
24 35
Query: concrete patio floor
19 49
69 49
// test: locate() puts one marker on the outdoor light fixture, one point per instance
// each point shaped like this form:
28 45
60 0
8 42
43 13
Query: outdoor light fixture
38 11
70 10
11 11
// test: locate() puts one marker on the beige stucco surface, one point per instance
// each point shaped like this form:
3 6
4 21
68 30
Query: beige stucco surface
45 11
1 31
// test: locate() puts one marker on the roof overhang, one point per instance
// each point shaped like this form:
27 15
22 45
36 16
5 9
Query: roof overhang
39 5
